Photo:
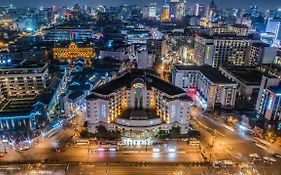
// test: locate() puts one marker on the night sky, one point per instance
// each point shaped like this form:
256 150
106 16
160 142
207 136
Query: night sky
263 4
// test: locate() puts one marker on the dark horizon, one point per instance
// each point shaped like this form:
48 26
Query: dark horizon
244 4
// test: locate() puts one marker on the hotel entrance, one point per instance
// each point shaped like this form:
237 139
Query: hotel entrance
138 138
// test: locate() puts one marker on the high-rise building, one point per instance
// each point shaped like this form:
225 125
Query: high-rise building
266 82
268 105
261 53
145 12
237 29
254 11
211 10
181 10
177 9
216 50
152 11
145 60
173 8
274 26
149 12
165 15
25 80
214 88
199 10
158 47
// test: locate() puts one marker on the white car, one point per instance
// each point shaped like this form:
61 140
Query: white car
254 156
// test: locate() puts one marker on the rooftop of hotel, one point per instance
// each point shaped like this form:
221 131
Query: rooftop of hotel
126 80
225 37
240 26
23 65
260 44
248 75
211 73
16 108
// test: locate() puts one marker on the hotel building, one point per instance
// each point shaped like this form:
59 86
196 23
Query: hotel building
214 89
25 80
138 101
269 108
217 50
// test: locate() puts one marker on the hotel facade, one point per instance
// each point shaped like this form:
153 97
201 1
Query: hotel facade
214 89
138 101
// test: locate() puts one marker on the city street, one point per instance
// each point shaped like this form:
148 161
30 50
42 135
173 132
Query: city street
101 169
223 142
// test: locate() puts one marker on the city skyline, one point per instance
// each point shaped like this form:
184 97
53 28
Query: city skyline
160 87
271 4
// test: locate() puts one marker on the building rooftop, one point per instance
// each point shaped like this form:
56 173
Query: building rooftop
17 108
225 37
75 95
240 26
127 79
248 75
260 44
211 73
25 65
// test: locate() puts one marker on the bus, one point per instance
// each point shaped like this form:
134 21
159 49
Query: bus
82 142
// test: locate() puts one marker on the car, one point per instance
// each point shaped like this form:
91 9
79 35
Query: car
156 150
278 156
171 149
100 150
113 149
269 159
255 156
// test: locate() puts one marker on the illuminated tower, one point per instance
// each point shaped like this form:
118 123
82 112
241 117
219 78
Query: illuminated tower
180 10
199 10
211 11
152 11
177 9
165 15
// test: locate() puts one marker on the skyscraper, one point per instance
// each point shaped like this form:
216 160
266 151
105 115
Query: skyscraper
211 11
152 11
149 12
165 15
254 11
274 26
177 9
199 10
180 13
173 8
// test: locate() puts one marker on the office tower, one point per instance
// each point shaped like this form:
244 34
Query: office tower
165 15
199 10
211 10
